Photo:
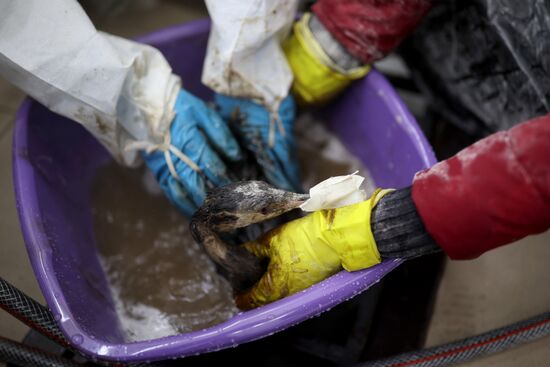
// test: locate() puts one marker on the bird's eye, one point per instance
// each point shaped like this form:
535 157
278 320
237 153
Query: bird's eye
264 211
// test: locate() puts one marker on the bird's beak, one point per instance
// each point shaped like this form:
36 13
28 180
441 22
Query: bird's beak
293 201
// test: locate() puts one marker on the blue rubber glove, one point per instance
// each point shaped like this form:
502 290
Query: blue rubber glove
279 163
194 131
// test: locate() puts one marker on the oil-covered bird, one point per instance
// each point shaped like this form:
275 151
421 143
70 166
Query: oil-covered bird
235 206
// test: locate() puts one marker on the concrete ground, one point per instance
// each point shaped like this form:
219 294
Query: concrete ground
506 285
501 287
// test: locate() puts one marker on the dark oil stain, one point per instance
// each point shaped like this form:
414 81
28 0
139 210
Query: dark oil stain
101 125
329 215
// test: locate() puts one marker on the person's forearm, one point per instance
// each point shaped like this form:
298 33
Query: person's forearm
244 57
118 89
338 42
489 194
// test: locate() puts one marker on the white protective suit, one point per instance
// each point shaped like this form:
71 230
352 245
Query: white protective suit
244 56
123 91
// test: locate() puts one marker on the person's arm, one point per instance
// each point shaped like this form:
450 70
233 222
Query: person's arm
244 57
339 40
488 195
119 90
123 92
247 69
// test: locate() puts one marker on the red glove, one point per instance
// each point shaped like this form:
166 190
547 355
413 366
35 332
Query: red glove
491 193
370 29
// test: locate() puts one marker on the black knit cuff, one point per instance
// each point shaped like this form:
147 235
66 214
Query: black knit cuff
398 229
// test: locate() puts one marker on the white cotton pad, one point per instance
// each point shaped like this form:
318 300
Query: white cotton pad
335 192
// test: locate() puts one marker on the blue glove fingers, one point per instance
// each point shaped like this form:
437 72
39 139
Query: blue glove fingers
190 182
253 113
213 167
278 164
196 147
226 105
285 148
274 171
287 112
188 139
176 194
187 195
155 163
215 128
286 155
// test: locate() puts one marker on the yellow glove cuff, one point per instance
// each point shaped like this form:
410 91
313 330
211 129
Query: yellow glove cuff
316 77
348 232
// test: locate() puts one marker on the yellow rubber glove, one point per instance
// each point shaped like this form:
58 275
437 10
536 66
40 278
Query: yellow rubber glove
316 77
307 250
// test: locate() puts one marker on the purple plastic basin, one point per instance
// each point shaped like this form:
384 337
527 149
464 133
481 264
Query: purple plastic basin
54 161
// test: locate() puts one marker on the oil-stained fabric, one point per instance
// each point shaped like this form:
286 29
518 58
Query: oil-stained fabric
244 57
485 64
120 90
490 194
370 29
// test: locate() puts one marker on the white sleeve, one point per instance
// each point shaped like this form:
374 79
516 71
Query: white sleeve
120 90
244 56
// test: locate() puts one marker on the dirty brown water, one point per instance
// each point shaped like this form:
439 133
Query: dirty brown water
162 282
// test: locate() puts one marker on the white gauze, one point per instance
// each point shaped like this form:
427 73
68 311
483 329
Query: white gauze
335 192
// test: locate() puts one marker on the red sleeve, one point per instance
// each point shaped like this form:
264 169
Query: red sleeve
370 29
491 193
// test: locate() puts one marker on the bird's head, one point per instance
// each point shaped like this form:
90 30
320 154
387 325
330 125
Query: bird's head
244 203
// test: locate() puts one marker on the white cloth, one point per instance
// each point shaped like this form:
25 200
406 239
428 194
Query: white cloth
120 90
335 192
244 56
